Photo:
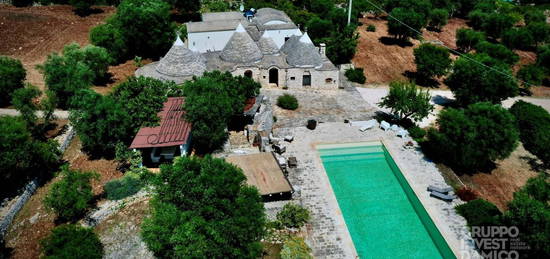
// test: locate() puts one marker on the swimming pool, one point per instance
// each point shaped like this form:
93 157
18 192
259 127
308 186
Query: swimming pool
383 215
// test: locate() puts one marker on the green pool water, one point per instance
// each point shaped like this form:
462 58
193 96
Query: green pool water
382 213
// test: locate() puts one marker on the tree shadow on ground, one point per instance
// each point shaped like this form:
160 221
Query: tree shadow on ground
87 12
421 80
442 100
535 164
393 41
105 80
183 17
434 29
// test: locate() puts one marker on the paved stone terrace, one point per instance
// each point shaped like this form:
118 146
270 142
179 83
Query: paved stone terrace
328 234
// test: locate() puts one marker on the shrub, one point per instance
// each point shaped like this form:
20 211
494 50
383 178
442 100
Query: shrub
543 58
121 188
479 212
356 75
497 51
406 101
23 157
534 127
293 216
72 241
71 196
294 248
417 133
371 27
287 101
466 39
81 7
470 82
431 60
12 75
531 75
466 194
469 139
96 58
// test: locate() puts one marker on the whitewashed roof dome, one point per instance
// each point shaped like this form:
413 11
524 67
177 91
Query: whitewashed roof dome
241 48
181 61
301 52
267 45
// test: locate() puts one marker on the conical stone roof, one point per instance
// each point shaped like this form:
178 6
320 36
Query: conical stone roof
241 48
267 45
301 52
181 61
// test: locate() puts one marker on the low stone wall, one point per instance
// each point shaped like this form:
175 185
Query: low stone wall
18 202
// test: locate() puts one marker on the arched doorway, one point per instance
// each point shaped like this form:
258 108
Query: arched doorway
274 76
248 73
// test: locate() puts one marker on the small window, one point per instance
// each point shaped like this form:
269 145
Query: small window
328 80
248 73
193 43
208 37
292 78
264 77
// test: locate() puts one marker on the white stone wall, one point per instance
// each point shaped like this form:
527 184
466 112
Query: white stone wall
279 35
318 78
208 41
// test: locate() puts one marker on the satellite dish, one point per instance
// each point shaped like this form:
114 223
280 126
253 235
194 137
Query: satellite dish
241 7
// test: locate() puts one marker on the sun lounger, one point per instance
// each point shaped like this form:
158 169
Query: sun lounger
442 196
289 138
395 128
384 125
403 133
444 190
279 149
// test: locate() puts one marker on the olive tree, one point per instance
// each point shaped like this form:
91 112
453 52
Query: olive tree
72 241
469 139
224 219
407 101
431 60
410 18
467 39
534 128
12 76
480 78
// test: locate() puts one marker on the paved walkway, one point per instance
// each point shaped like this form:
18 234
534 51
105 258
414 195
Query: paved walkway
439 97
60 114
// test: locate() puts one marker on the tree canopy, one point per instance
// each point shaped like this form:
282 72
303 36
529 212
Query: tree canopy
72 241
225 218
467 39
23 157
534 127
12 75
71 196
431 60
469 139
414 20
480 78
407 101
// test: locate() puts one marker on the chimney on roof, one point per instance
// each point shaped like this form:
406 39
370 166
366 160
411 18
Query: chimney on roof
323 49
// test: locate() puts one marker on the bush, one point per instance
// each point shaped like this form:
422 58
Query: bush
81 7
23 157
466 194
96 58
287 101
295 248
479 213
534 127
543 58
466 39
22 3
12 75
431 60
470 82
71 196
72 241
293 216
371 27
356 75
470 139
121 188
417 133
497 51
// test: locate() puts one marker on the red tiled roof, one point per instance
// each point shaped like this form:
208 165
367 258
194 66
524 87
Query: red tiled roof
173 129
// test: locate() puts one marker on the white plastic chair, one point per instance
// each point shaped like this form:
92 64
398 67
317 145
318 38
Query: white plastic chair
385 125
